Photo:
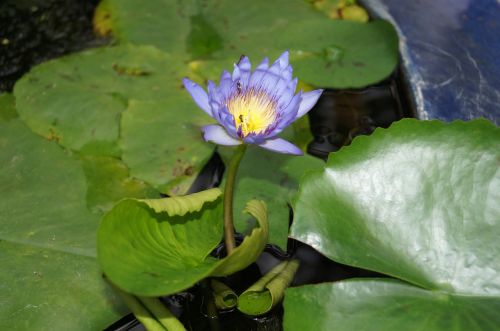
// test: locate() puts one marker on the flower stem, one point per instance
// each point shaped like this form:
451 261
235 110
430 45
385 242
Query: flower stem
228 198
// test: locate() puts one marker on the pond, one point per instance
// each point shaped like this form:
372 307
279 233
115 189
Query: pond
97 125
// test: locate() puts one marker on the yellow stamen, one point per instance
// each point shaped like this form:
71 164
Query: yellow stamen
253 111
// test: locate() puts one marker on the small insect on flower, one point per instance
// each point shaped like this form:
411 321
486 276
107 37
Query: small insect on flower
253 107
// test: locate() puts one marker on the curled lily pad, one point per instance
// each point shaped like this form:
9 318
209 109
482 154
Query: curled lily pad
268 291
159 247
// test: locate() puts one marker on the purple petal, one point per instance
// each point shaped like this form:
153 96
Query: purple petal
263 65
245 66
289 114
215 110
275 68
283 60
236 72
309 99
287 94
281 146
225 85
216 134
211 86
199 95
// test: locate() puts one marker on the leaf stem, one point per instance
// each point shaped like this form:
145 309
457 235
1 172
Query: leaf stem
228 198
140 312
208 297
162 314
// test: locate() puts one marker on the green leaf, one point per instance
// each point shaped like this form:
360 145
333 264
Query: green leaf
7 107
325 52
420 197
276 183
268 291
180 206
162 143
385 305
235 21
148 249
77 100
203 40
108 182
419 202
161 23
46 289
342 54
43 194
49 277
224 297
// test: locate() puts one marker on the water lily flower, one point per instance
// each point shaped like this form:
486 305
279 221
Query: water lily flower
253 107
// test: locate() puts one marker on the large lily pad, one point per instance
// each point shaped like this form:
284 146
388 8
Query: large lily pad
77 100
49 278
178 27
417 201
159 247
43 194
324 52
108 181
162 142
237 20
385 305
162 23
7 107
46 289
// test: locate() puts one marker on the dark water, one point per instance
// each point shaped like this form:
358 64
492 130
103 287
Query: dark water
34 31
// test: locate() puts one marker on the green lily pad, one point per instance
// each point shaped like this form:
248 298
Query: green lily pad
268 291
159 247
162 142
108 181
162 23
7 107
45 289
77 100
386 305
419 202
43 194
323 52
191 26
49 277
235 21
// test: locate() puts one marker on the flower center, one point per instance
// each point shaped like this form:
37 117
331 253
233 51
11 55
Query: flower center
253 112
